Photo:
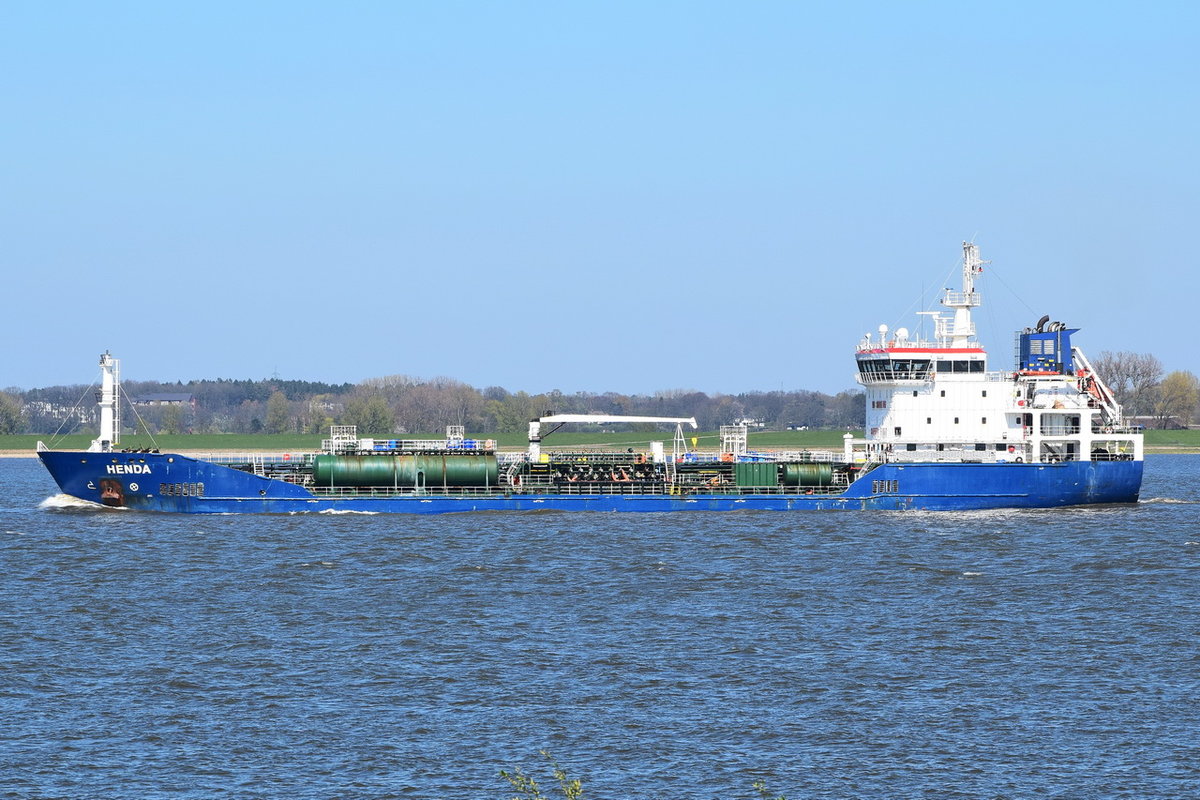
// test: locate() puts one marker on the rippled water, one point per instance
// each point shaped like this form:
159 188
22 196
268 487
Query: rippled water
868 654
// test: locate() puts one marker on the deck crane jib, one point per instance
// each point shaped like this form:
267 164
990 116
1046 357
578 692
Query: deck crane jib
558 420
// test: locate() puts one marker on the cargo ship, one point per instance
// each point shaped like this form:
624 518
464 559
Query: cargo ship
942 431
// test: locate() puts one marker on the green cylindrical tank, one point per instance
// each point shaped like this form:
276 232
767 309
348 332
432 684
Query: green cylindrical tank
756 473
407 471
807 474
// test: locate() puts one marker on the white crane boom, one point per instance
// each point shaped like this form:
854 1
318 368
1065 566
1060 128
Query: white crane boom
535 426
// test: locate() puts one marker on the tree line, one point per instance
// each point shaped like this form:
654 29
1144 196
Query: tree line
397 405
401 404
1138 382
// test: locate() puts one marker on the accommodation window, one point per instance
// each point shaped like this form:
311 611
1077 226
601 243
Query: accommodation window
929 420
981 447
985 392
956 420
984 420
897 431
943 392
910 447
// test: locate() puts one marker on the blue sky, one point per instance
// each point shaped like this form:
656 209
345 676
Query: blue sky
585 196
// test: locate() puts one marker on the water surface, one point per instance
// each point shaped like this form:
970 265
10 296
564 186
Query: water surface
867 654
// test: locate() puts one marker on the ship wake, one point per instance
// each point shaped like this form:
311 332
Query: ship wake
61 502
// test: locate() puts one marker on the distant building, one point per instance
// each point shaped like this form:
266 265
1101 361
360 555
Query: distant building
165 399
40 408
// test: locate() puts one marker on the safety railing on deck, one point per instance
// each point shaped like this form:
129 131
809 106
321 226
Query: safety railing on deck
234 459
573 490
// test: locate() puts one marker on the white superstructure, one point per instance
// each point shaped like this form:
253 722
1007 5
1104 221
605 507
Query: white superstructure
936 400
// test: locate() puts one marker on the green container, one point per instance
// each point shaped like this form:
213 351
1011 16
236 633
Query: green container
807 474
756 473
406 472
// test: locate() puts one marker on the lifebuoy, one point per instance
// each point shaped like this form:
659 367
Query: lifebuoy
287 456
516 481
1019 460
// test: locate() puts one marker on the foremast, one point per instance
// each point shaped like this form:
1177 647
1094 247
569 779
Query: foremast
110 406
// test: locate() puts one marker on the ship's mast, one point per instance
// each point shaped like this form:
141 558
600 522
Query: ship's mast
962 302
110 407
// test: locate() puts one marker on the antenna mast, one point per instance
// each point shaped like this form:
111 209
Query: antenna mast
962 302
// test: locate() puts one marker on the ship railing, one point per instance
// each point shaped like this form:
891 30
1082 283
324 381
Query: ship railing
776 456
1117 455
953 455
1120 430
254 459
962 299
919 376
893 376
559 457
821 456
408 491
574 490
425 445
1062 430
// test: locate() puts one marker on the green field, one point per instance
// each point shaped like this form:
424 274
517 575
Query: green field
282 443
1173 439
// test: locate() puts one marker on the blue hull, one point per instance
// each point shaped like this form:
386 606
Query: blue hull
169 482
